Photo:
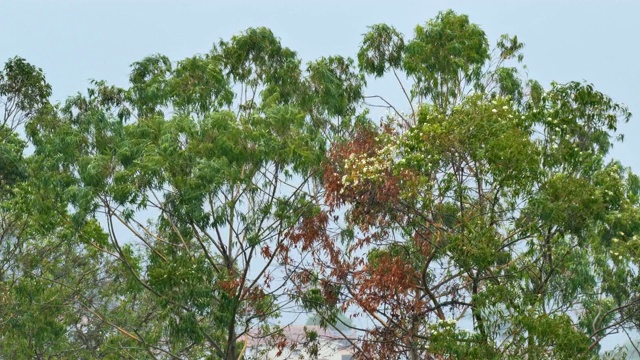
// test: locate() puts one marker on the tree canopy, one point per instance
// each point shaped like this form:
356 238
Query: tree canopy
195 209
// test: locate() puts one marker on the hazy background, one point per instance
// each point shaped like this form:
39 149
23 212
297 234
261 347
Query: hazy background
74 41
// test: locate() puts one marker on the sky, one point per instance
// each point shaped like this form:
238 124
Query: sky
74 41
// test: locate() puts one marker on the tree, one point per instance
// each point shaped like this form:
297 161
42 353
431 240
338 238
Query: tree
52 284
491 200
198 171
182 215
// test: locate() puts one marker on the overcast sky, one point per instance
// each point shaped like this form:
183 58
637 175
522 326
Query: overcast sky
74 41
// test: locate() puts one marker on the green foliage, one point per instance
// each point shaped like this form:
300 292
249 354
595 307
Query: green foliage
492 200
11 159
23 91
197 169
178 216
334 86
444 54
382 48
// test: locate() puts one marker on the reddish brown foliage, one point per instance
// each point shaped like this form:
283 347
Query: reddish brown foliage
390 276
373 203
230 286
310 230
363 143
389 290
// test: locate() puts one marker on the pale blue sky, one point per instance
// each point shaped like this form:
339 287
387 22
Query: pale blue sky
74 41
77 40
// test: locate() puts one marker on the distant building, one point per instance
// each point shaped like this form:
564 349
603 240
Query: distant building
328 345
